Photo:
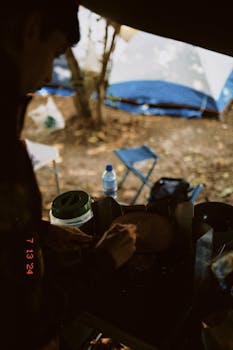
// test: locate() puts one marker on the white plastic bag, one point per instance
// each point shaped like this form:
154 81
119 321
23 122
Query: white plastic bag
48 116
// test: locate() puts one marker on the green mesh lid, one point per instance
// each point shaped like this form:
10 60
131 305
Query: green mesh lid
71 204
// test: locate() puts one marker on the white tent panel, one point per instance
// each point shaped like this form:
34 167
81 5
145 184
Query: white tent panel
217 69
151 57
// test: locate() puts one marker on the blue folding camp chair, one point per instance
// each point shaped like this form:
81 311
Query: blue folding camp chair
130 156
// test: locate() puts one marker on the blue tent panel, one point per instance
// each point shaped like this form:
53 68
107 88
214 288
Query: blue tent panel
153 92
146 110
226 93
52 90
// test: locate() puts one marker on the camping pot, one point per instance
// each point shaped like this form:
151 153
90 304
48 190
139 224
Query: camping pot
72 208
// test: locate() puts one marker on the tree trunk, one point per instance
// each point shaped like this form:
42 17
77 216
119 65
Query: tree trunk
101 82
100 92
81 100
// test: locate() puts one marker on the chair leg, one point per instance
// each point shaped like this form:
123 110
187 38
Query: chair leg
55 170
150 172
144 183
123 178
137 194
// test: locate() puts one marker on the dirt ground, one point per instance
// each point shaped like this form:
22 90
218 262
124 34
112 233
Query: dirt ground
201 151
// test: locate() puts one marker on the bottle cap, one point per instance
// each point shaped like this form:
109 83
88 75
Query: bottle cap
71 204
109 167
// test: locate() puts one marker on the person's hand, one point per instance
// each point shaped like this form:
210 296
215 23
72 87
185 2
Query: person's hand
119 241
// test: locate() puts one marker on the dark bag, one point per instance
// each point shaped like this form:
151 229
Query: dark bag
166 193
170 188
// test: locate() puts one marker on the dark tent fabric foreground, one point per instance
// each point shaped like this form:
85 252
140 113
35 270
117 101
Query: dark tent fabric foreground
204 24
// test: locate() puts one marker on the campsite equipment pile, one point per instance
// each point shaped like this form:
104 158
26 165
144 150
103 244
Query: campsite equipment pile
169 299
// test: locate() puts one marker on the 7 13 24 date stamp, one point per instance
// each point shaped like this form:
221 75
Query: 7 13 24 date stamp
29 258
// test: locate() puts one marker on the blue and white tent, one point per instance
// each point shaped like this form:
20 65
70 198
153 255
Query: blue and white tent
156 75
150 74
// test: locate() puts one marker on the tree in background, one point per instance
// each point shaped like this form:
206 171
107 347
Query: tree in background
81 99
91 117
102 80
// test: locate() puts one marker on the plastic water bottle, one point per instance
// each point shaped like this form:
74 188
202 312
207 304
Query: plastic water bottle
109 182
